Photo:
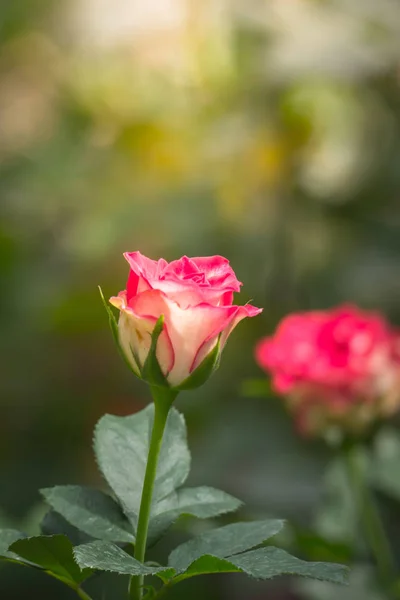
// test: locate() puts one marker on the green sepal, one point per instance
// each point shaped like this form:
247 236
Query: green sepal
151 371
111 318
205 369
115 332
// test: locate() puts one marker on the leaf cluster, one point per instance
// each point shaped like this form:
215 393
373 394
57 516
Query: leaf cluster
88 530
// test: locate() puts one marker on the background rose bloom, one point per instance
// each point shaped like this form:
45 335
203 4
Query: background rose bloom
195 296
330 364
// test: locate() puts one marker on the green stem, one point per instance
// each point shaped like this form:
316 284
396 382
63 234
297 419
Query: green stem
82 594
162 591
374 531
163 398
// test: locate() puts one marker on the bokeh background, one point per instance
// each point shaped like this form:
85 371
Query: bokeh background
267 131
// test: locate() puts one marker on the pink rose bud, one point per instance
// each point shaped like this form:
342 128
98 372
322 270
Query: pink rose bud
182 312
334 367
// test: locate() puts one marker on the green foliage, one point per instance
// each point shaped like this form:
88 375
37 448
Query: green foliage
269 562
202 502
224 541
121 445
54 554
229 549
8 537
266 563
53 523
91 511
207 565
106 556
219 551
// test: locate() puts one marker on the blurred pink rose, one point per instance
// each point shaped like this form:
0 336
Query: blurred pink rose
195 295
334 364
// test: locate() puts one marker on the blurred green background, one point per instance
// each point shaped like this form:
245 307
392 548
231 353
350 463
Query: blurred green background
267 131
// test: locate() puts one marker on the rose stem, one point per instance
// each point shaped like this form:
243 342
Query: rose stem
374 531
163 398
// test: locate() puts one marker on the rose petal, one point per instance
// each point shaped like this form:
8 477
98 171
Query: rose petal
132 285
234 315
218 272
187 281
141 265
241 313
189 329
188 294
135 337
183 268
